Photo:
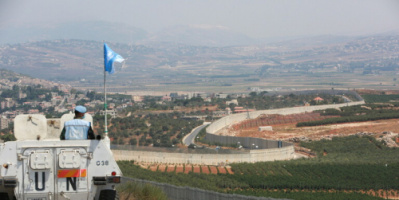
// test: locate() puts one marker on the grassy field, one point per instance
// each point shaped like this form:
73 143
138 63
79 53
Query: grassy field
289 80
131 191
346 168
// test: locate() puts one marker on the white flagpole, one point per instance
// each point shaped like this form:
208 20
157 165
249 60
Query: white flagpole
106 138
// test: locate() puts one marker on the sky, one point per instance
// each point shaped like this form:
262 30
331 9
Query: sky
255 18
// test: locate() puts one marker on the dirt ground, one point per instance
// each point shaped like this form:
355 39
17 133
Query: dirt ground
289 131
180 168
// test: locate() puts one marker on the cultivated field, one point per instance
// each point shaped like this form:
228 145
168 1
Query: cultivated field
187 168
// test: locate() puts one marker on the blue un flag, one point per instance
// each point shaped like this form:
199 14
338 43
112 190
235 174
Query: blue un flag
109 58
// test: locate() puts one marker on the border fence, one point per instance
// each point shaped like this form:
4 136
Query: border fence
254 155
189 193
307 92
247 142
198 150
257 149
213 129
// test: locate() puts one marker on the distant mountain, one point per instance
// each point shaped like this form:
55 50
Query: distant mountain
315 40
80 62
92 30
53 59
198 35
201 35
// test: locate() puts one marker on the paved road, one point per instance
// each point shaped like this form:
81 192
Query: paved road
346 99
188 139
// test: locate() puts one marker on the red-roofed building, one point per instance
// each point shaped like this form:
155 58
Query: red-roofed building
166 98
318 99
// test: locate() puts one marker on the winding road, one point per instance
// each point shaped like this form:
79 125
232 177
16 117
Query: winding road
189 139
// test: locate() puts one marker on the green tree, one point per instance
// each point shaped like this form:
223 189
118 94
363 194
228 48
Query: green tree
133 141
253 94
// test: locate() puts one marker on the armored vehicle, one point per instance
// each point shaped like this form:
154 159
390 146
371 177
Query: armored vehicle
40 166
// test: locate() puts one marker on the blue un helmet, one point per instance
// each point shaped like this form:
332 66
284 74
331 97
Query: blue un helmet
80 109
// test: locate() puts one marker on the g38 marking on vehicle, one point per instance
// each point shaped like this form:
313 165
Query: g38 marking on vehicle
102 163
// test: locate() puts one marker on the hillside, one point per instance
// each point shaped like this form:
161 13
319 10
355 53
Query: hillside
9 78
329 61
84 30
201 35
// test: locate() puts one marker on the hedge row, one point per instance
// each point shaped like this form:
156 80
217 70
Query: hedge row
356 118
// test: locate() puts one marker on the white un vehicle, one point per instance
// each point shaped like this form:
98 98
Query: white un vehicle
39 166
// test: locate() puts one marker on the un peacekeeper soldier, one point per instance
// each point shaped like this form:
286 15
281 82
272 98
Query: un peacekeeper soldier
77 129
